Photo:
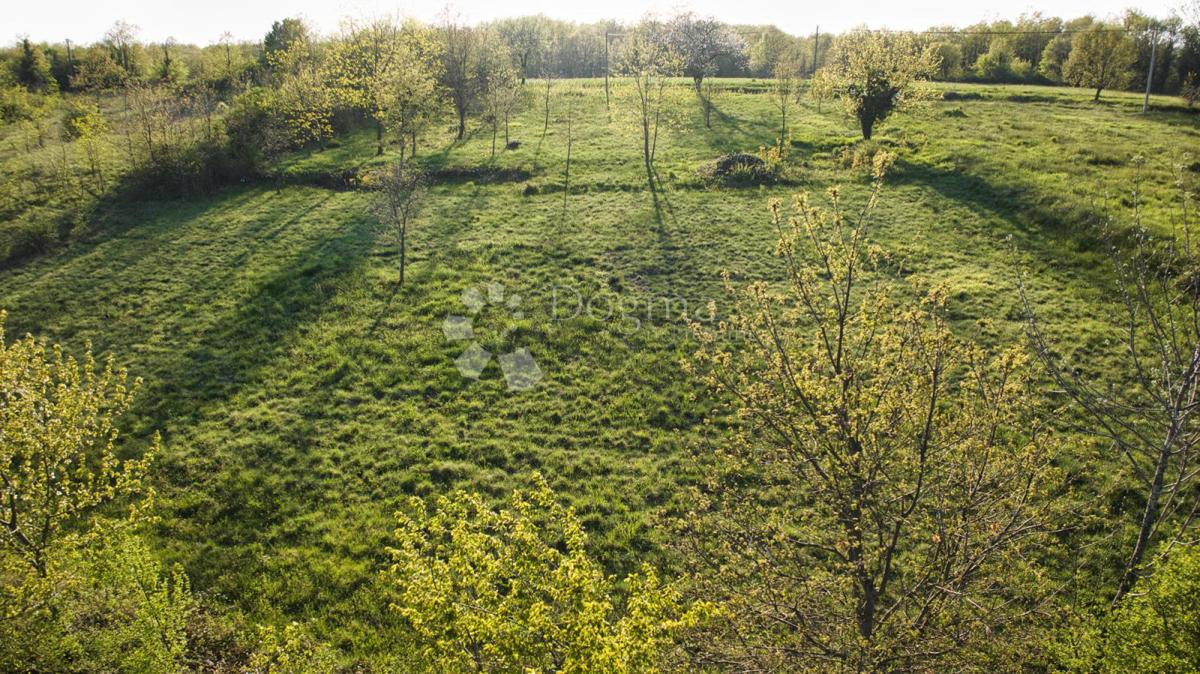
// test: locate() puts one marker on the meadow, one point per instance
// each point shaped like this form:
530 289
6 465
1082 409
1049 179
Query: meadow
301 395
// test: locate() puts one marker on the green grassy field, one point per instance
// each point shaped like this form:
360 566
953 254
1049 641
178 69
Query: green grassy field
301 396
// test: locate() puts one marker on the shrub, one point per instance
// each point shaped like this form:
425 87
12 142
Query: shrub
292 651
1190 91
861 155
15 105
29 236
742 168
79 591
1158 631
514 590
83 119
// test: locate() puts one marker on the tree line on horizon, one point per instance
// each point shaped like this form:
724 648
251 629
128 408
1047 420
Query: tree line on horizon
878 492
1032 49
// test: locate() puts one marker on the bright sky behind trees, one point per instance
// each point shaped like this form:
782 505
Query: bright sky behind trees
203 22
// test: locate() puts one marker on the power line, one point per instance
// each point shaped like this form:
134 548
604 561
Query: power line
1004 32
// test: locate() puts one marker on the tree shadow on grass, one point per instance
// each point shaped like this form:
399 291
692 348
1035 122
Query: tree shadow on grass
675 259
159 293
129 247
441 232
736 134
1050 227
237 345
201 300
1012 201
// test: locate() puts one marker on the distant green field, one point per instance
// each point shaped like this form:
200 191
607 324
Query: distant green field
301 397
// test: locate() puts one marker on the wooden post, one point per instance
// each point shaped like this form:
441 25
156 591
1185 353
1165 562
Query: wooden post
1150 70
816 48
607 105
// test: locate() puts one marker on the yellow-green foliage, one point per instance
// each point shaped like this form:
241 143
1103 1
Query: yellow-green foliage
292 651
303 103
77 592
381 66
514 590
884 477
1159 631
107 605
57 433
876 73
1156 631
1101 58
129 612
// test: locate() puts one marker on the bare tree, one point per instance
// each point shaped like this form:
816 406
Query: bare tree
648 62
461 47
1151 421
785 91
501 88
567 163
399 191
700 44
869 511
548 66
526 37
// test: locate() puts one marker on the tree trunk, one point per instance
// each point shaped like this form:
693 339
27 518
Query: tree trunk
495 124
414 144
646 154
546 118
1149 517
1182 400
378 137
462 123
852 523
698 83
1097 98
403 243
866 124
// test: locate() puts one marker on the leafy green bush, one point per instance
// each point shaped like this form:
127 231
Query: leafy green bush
29 236
861 155
292 650
17 104
83 119
78 591
1157 631
514 590
742 168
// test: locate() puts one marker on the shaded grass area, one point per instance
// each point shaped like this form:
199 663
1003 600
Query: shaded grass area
302 396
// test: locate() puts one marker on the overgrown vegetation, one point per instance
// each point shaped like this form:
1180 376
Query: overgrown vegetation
932 431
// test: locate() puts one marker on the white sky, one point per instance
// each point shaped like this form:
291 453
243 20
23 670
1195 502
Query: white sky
203 21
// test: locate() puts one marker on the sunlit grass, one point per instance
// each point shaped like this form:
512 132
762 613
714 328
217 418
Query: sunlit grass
301 395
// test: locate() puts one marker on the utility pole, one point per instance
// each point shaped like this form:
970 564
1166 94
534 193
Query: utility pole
607 105
1150 70
816 47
